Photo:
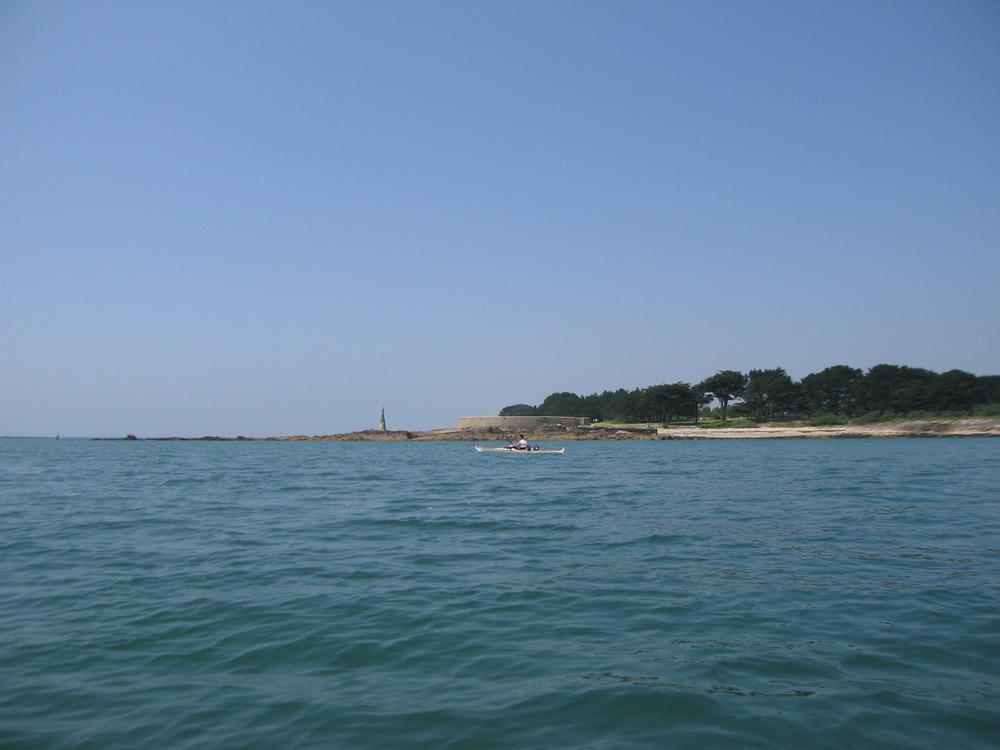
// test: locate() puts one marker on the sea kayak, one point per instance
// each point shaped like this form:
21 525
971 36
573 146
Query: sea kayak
533 451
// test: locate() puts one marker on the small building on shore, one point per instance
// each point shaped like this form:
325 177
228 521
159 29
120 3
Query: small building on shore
512 424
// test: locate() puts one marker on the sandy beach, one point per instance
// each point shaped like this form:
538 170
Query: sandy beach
930 428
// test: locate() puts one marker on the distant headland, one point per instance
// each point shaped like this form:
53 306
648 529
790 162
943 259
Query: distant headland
484 430
839 401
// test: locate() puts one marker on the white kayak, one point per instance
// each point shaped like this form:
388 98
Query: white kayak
483 449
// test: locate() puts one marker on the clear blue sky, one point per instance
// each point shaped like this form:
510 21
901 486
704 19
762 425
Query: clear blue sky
277 217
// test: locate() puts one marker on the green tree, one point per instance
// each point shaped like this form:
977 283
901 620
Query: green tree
989 389
896 388
562 404
834 390
590 406
769 393
724 386
518 410
956 390
619 406
668 401
662 402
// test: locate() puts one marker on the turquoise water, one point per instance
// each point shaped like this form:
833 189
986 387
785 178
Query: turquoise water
814 594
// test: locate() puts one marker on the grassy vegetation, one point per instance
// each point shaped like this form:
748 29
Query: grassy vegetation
718 424
986 410
627 425
825 420
874 417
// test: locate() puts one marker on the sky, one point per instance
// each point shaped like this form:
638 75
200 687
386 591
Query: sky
268 218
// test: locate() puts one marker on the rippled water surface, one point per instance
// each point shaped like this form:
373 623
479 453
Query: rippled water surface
815 594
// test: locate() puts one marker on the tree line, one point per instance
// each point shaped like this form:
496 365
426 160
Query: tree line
764 395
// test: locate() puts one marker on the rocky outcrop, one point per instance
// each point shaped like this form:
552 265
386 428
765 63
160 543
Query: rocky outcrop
385 436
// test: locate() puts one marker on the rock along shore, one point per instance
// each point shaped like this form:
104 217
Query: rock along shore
971 427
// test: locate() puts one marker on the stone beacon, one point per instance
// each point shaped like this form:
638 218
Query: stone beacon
381 421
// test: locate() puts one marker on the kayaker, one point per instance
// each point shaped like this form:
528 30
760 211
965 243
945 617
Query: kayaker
522 444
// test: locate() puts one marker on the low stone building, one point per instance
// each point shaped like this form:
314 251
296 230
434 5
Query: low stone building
513 424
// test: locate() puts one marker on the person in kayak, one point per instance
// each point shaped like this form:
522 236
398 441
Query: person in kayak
521 445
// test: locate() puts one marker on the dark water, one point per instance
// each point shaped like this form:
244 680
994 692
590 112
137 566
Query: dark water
814 594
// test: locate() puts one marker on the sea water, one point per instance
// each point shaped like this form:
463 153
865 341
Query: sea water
744 594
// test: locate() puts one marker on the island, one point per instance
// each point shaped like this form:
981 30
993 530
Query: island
837 402
944 427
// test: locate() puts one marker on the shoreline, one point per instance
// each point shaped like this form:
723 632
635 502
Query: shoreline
960 427
966 427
